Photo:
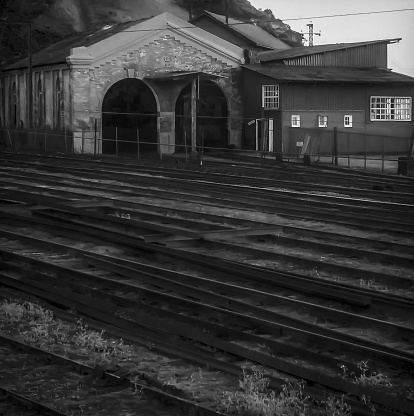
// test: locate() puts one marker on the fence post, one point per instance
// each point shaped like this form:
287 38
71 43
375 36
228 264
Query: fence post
83 141
185 146
335 143
365 152
138 143
382 154
66 140
116 141
45 139
94 142
349 158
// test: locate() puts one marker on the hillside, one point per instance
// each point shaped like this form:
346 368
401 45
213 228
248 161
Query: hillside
55 19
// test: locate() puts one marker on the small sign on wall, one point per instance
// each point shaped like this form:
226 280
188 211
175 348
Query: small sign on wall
299 144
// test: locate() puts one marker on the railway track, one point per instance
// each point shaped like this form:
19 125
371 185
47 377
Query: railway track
53 384
259 322
189 258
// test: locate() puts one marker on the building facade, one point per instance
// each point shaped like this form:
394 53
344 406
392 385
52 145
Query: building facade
147 86
340 96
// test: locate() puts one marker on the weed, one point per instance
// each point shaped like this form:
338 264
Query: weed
255 399
38 326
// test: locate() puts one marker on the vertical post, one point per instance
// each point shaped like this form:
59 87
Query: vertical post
29 79
83 141
66 138
257 134
382 154
138 144
365 151
45 138
194 115
190 9
116 141
185 146
94 142
336 145
227 11
349 158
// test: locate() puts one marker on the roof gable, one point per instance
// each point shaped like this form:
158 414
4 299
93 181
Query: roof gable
91 49
249 31
296 52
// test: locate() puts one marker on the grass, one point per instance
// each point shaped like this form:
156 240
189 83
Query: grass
254 398
37 326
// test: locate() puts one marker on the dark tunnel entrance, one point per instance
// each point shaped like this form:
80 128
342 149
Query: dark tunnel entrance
212 117
129 119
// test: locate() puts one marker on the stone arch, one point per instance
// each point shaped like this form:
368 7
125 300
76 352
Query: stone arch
129 118
213 110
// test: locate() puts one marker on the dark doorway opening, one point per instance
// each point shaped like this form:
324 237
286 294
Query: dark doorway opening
212 117
129 119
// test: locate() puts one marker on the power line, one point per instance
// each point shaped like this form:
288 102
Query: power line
283 20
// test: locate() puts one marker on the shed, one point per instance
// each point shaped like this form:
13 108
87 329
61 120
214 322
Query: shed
314 101
136 87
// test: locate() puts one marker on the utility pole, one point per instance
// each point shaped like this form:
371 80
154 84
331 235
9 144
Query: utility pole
190 9
311 33
29 67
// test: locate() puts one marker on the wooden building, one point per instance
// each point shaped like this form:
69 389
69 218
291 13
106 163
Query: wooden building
139 87
312 92
252 38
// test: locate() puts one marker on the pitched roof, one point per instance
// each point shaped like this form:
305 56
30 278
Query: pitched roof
331 74
58 52
311 50
250 31
100 44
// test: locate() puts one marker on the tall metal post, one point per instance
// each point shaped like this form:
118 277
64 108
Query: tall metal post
310 26
227 11
30 81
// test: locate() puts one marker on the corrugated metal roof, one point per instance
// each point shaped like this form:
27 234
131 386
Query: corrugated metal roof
329 74
250 31
311 50
58 52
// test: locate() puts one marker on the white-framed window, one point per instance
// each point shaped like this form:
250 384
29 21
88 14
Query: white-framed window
390 108
270 97
295 118
347 120
322 121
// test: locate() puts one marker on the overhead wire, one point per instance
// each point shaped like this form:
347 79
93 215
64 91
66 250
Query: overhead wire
278 20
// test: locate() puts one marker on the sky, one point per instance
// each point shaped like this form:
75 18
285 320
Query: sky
348 29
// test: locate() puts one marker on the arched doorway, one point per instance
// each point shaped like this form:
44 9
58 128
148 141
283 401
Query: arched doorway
212 114
129 117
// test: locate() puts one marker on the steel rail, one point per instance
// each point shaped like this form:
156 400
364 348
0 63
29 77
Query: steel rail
26 402
213 245
185 326
164 396
184 284
257 187
85 217
223 200
298 325
301 171
158 213
358 296
128 330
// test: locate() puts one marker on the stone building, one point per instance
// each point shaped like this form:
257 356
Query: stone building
139 87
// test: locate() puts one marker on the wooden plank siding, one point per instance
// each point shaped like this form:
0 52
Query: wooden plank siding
295 96
374 55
